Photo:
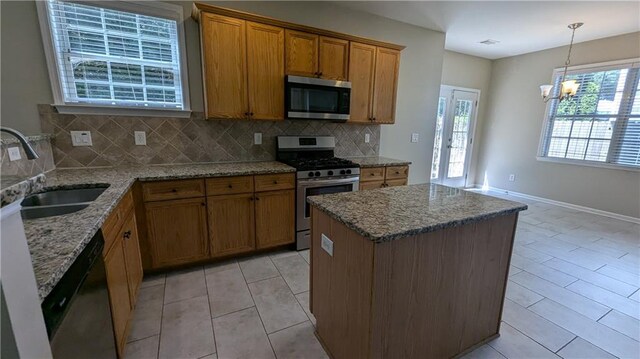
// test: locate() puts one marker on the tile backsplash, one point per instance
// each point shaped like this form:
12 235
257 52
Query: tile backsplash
24 168
188 140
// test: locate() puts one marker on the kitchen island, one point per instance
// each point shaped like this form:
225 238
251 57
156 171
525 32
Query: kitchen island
413 271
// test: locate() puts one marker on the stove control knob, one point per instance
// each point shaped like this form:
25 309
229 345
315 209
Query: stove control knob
317 173
330 173
310 174
348 172
342 172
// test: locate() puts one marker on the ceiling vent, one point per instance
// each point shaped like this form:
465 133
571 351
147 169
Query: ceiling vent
489 42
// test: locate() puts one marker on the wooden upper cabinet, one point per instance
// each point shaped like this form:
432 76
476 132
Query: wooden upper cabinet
334 58
385 85
231 224
265 71
224 61
362 63
275 218
301 53
177 231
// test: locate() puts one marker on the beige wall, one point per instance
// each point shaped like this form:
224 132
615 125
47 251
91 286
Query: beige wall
26 83
471 72
513 121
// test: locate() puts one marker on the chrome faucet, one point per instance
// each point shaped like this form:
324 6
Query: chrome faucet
31 153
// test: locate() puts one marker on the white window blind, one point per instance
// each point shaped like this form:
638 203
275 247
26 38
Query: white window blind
601 124
115 58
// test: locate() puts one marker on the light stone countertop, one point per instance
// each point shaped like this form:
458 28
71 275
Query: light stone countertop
55 242
386 214
377 161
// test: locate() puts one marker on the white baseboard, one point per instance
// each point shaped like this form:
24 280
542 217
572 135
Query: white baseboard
621 217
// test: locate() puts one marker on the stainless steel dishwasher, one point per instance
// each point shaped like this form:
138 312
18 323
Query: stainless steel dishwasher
77 312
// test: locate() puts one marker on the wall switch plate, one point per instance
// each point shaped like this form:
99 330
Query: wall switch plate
367 138
512 178
81 138
14 153
415 137
326 244
257 138
141 138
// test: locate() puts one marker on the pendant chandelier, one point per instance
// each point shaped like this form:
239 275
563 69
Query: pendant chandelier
568 88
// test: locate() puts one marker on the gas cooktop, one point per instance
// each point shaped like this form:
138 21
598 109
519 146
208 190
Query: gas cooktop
312 164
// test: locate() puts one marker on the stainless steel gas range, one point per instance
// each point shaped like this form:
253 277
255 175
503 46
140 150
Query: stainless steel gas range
318 172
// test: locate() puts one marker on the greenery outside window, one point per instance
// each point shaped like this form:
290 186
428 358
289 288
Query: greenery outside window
600 125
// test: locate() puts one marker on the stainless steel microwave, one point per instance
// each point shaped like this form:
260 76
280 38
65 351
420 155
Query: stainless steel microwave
312 98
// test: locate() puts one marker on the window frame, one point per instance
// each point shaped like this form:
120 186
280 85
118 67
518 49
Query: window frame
149 8
595 67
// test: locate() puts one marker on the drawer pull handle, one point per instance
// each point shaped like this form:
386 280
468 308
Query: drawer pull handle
230 186
373 174
174 190
397 172
275 182
126 235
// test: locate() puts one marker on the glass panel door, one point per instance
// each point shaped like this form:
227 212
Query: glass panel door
453 137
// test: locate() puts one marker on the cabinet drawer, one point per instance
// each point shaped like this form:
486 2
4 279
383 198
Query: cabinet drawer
370 185
396 182
397 172
275 182
372 174
164 190
111 226
229 185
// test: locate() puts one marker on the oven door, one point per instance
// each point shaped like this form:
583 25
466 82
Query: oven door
314 187
311 98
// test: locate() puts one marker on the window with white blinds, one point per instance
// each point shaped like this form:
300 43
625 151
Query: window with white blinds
601 123
114 58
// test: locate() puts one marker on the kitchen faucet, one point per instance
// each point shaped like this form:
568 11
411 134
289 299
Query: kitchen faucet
31 153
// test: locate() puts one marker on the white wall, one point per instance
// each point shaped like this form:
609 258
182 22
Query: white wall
471 72
513 121
25 80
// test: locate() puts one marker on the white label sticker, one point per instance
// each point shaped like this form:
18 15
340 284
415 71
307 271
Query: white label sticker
326 244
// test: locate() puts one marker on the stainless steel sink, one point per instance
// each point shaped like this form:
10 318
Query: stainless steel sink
63 196
50 211
59 201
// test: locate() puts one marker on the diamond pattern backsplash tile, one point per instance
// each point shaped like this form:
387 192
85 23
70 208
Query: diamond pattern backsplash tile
25 168
189 140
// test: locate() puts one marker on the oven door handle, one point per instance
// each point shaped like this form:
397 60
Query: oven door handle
329 181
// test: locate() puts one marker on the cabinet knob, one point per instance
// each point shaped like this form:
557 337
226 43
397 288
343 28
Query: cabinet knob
203 204
257 198
127 234
230 186
174 190
319 74
251 199
373 174
397 172
275 182
246 113
374 119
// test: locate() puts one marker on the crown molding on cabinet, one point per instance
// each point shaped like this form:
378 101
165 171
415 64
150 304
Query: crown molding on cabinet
198 7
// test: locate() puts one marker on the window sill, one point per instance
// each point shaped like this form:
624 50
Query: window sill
120 111
588 164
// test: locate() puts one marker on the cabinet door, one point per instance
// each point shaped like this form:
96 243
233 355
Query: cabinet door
231 224
132 256
224 66
396 182
370 185
265 71
385 85
301 53
334 58
177 231
275 218
118 286
362 60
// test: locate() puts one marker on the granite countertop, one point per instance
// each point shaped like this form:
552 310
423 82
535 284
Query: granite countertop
8 139
55 242
377 161
386 214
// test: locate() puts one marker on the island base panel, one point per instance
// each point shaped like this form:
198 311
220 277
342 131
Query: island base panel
432 295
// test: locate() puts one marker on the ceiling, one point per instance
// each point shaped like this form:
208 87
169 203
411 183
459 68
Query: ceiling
519 26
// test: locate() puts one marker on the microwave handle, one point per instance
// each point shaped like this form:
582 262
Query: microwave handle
331 181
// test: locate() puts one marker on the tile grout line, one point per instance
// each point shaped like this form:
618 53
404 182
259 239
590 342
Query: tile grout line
206 287
570 341
164 293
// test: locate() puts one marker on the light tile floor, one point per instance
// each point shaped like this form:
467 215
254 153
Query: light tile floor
573 292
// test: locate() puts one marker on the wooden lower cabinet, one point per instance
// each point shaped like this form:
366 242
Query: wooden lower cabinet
396 182
381 177
131 247
231 224
119 296
371 185
177 231
275 218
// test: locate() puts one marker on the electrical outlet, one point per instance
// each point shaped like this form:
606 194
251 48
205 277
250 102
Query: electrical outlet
326 244
367 138
141 138
14 153
415 137
81 138
512 178
257 138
